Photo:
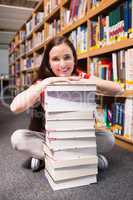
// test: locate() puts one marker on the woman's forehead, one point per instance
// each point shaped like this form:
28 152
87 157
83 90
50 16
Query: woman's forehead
60 50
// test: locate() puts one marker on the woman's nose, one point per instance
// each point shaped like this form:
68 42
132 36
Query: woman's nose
62 63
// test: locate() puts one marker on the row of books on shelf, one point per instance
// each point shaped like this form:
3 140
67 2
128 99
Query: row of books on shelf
34 22
117 117
27 46
79 39
118 67
50 6
53 28
34 41
25 64
95 3
114 26
76 10
27 78
24 80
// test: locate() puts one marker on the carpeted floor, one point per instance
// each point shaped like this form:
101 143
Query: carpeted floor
18 184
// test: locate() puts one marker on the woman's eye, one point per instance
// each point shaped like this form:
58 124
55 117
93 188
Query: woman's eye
67 57
55 59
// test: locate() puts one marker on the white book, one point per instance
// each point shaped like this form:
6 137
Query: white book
62 125
81 181
73 86
128 118
70 153
129 69
70 97
114 65
69 115
71 134
71 172
62 144
53 104
71 162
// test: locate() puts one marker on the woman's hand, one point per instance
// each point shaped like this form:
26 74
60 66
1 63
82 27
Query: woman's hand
52 80
106 87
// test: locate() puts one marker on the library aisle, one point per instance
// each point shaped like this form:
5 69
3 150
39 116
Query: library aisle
17 183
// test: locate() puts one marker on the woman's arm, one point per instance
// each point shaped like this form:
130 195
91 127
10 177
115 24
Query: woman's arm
107 87
29 97
104 86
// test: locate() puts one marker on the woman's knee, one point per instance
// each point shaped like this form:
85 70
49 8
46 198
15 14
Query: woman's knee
17 138
105 141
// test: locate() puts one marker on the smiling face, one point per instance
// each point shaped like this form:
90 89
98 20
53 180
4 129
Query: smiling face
61 60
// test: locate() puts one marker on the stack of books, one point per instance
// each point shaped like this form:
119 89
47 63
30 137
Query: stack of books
70 148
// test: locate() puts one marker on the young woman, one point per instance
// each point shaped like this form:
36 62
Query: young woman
59 63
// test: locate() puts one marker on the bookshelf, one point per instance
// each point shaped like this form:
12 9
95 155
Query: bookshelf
90 19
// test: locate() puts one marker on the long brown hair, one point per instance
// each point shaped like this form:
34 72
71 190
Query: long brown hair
45 70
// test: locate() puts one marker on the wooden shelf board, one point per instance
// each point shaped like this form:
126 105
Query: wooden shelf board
38 47
18 58
64 2
27 70
110 48
74 25
49 38
30 35
123 144
23 55
100 8
39 26
124 139
82 55
22 41
29 52
54 11
10 64
38 5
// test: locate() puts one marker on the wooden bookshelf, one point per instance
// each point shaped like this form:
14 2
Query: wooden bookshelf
111 48
54 11
124 142
65 29
103 5
74 25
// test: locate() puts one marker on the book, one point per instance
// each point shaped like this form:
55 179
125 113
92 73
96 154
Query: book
86 180
78 124
61 144
68 154
76 96
72 162
69 115
71 134
65 173
53 104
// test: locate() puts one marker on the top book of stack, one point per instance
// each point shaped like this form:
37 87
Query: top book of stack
75 96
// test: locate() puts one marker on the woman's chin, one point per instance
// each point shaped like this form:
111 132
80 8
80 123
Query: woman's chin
64 75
